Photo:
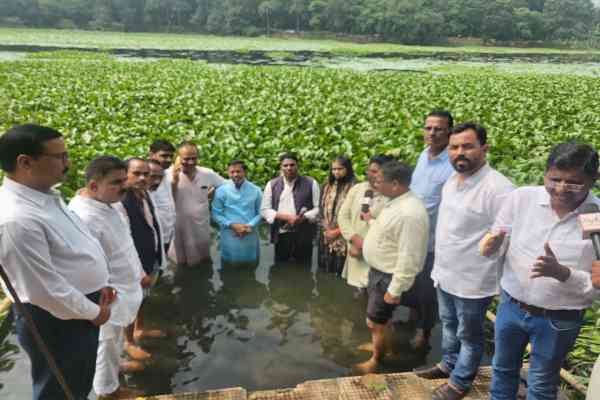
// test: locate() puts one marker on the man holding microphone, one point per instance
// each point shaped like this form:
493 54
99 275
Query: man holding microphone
547 282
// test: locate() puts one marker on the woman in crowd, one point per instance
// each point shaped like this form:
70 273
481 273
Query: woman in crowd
332 246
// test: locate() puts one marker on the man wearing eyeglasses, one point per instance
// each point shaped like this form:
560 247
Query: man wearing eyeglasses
432 171
547 282
57 267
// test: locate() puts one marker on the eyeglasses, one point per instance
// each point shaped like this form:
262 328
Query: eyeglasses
64 157
568 187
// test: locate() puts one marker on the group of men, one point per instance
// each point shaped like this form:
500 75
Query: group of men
466 235
442 239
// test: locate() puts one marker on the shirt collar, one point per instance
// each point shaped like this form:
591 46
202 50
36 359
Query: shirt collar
442 157
98 205
475 178
39 198
544 199
398 199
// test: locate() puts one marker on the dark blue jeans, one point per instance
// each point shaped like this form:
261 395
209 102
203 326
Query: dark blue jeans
72 343
462 336
551 340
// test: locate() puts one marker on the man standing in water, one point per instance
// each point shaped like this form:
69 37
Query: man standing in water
192 186
161 152
105 180
466 281
395 248
139 214
291 205
236 208
354 227
432 170
58 269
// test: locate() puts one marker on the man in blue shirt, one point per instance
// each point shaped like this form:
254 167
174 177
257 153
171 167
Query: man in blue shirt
431 172
236 209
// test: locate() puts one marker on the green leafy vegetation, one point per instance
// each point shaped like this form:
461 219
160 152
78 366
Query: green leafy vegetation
104 106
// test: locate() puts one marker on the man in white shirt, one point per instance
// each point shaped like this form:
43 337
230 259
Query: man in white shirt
161 152
466 281
290 204
395 248
105 177
547 282
57 267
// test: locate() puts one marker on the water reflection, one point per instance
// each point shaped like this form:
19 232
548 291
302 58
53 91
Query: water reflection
257 326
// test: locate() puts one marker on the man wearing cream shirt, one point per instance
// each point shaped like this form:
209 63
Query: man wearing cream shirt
395 248
353 226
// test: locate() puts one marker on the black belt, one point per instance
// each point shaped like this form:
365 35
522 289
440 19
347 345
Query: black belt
565 315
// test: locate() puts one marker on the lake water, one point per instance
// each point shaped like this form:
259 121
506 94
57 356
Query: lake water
264 327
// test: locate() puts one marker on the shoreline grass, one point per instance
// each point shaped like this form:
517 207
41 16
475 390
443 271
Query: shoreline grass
188 41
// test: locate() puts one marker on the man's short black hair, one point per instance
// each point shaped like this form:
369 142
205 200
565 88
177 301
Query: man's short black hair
380 159
288 156
101 166
442 114
28 139
132 159
237 162
397 171
573 155
162 145
479 131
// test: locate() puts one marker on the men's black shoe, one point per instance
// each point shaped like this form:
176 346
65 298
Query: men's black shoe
447 392
434 372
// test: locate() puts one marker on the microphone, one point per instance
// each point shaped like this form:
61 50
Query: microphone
589 221
367 201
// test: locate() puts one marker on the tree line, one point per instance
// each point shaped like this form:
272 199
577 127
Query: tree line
407 21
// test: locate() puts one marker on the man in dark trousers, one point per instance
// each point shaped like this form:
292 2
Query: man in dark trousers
290 205
58 269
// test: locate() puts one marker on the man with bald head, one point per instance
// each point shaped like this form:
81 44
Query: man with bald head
192 187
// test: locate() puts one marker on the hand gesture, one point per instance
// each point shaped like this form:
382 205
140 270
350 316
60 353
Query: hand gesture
146 281
366 216
548 266
331 234
239 229
491 242
388 298
176 170
355 251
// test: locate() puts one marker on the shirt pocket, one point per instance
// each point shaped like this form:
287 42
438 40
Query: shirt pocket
569 252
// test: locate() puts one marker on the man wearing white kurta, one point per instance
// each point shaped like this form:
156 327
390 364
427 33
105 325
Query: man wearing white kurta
105 178
192 188
466 281
162 152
